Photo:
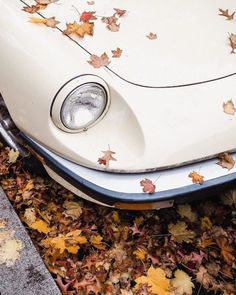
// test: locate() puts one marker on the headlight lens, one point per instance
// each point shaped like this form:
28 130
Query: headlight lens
83 106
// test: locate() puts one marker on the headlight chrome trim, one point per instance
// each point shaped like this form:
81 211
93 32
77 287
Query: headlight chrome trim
67 90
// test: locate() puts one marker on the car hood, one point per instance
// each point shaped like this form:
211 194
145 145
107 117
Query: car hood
192 42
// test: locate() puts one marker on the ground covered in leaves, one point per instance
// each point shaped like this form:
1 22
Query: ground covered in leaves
89 249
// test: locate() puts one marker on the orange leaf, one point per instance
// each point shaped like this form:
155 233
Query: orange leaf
41 226
196 178
148 186
117 52
108 156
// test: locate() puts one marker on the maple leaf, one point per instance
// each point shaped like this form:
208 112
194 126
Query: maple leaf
111 22
120 12
152 36
34 8
226 161
203 277
12 156
206 223
186 211
156 280
232 41
41 226
182 283
140 253
73 209
148 186
229 108
226 250
86 28
226 14
96 241
87 16
117 52
180 233
108 156
49 22
196 177
90 2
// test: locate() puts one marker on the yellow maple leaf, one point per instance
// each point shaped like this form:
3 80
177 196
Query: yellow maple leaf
186 211
180 233
156 280
206 223
182 284
79 29
96 241
140 253
41 226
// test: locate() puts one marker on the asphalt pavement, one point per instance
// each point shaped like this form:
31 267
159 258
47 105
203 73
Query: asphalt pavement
22 270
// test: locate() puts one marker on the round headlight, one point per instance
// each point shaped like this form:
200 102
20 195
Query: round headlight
83 106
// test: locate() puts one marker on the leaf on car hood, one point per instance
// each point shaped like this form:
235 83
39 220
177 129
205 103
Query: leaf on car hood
49 22
79 29
229 108
148 186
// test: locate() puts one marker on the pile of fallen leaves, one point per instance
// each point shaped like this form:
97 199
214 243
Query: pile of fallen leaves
89 249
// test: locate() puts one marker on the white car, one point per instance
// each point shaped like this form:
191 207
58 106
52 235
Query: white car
126 103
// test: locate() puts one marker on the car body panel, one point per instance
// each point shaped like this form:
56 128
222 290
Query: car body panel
191 45
148 128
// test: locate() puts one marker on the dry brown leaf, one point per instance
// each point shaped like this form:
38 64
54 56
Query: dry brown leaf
98 62
156 280
120 12
226 14
34 8
30 215
206 223
148 186
108 156
182 284
13 156
226 250
232 42
73 209
152 36
90 2
229 108
196 177
180 233
186 211
226 161
111 22
49 22
116 53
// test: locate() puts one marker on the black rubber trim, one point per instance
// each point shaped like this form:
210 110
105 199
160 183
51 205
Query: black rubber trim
186 193
137 84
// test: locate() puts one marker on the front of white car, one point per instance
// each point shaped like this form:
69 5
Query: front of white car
158 107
